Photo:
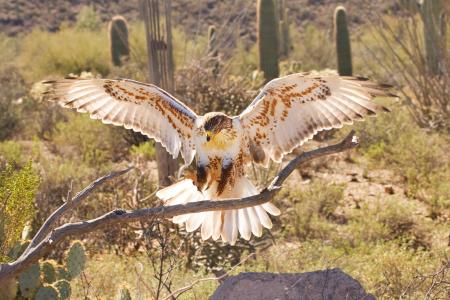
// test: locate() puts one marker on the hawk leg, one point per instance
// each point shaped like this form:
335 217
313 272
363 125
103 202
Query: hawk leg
201 177
225 178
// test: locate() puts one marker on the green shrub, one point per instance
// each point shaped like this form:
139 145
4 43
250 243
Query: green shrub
396 142
205 93
17 191
11 151
144 150
123 294
388 270
12 91
312 49
244 60
185 48
63 52
391 219
95 143
88 19
313 209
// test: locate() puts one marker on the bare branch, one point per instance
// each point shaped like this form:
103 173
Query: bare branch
68 205
182 290
120 216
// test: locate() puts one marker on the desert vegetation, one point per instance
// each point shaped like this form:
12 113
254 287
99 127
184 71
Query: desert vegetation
380 212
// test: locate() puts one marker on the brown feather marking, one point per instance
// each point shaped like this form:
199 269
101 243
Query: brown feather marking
226 178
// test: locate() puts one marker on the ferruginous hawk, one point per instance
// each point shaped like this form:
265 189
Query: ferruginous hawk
287 112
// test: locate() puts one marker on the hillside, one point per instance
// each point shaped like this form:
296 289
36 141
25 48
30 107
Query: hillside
194 16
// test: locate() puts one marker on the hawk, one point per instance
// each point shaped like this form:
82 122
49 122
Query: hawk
287 112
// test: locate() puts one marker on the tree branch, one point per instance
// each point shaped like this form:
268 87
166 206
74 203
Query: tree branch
182 290
69 204
119 216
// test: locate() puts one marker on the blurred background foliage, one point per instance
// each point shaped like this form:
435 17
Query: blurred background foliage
381 212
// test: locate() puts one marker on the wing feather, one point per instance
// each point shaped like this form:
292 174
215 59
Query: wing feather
292 109
138 106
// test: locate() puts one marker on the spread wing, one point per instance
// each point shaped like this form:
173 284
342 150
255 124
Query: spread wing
142 107
292 109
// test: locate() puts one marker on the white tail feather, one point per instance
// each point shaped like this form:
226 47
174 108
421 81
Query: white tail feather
225 224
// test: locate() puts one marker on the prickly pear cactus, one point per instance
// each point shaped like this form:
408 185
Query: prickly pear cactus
63 288
30 281
61 273
76 259
123 294
48 271
47 292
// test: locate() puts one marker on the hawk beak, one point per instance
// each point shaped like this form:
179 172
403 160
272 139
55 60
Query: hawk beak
208 136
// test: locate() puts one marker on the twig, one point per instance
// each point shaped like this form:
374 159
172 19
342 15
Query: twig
190 286
118 216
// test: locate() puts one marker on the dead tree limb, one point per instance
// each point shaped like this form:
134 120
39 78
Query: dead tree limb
51 221
43 246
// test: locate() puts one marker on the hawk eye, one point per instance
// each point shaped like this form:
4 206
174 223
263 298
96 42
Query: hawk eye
208 138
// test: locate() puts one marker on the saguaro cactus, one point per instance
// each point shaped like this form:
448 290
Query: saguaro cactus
267 39
342 39
283 28
212 41
432 11
158 29
118 39
213 50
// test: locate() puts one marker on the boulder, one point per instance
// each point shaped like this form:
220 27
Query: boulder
332 284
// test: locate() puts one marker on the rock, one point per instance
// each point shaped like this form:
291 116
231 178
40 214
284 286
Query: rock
388 189
332 284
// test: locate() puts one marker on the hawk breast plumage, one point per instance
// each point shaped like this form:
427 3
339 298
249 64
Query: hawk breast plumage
287 112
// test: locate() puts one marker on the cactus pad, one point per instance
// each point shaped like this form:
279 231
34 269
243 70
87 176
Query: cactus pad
76 259
29 281
61 273
63 288
48 271
47 293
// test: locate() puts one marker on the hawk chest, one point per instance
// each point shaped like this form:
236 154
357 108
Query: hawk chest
218 170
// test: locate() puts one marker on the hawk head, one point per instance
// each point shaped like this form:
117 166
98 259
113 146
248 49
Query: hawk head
218 131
